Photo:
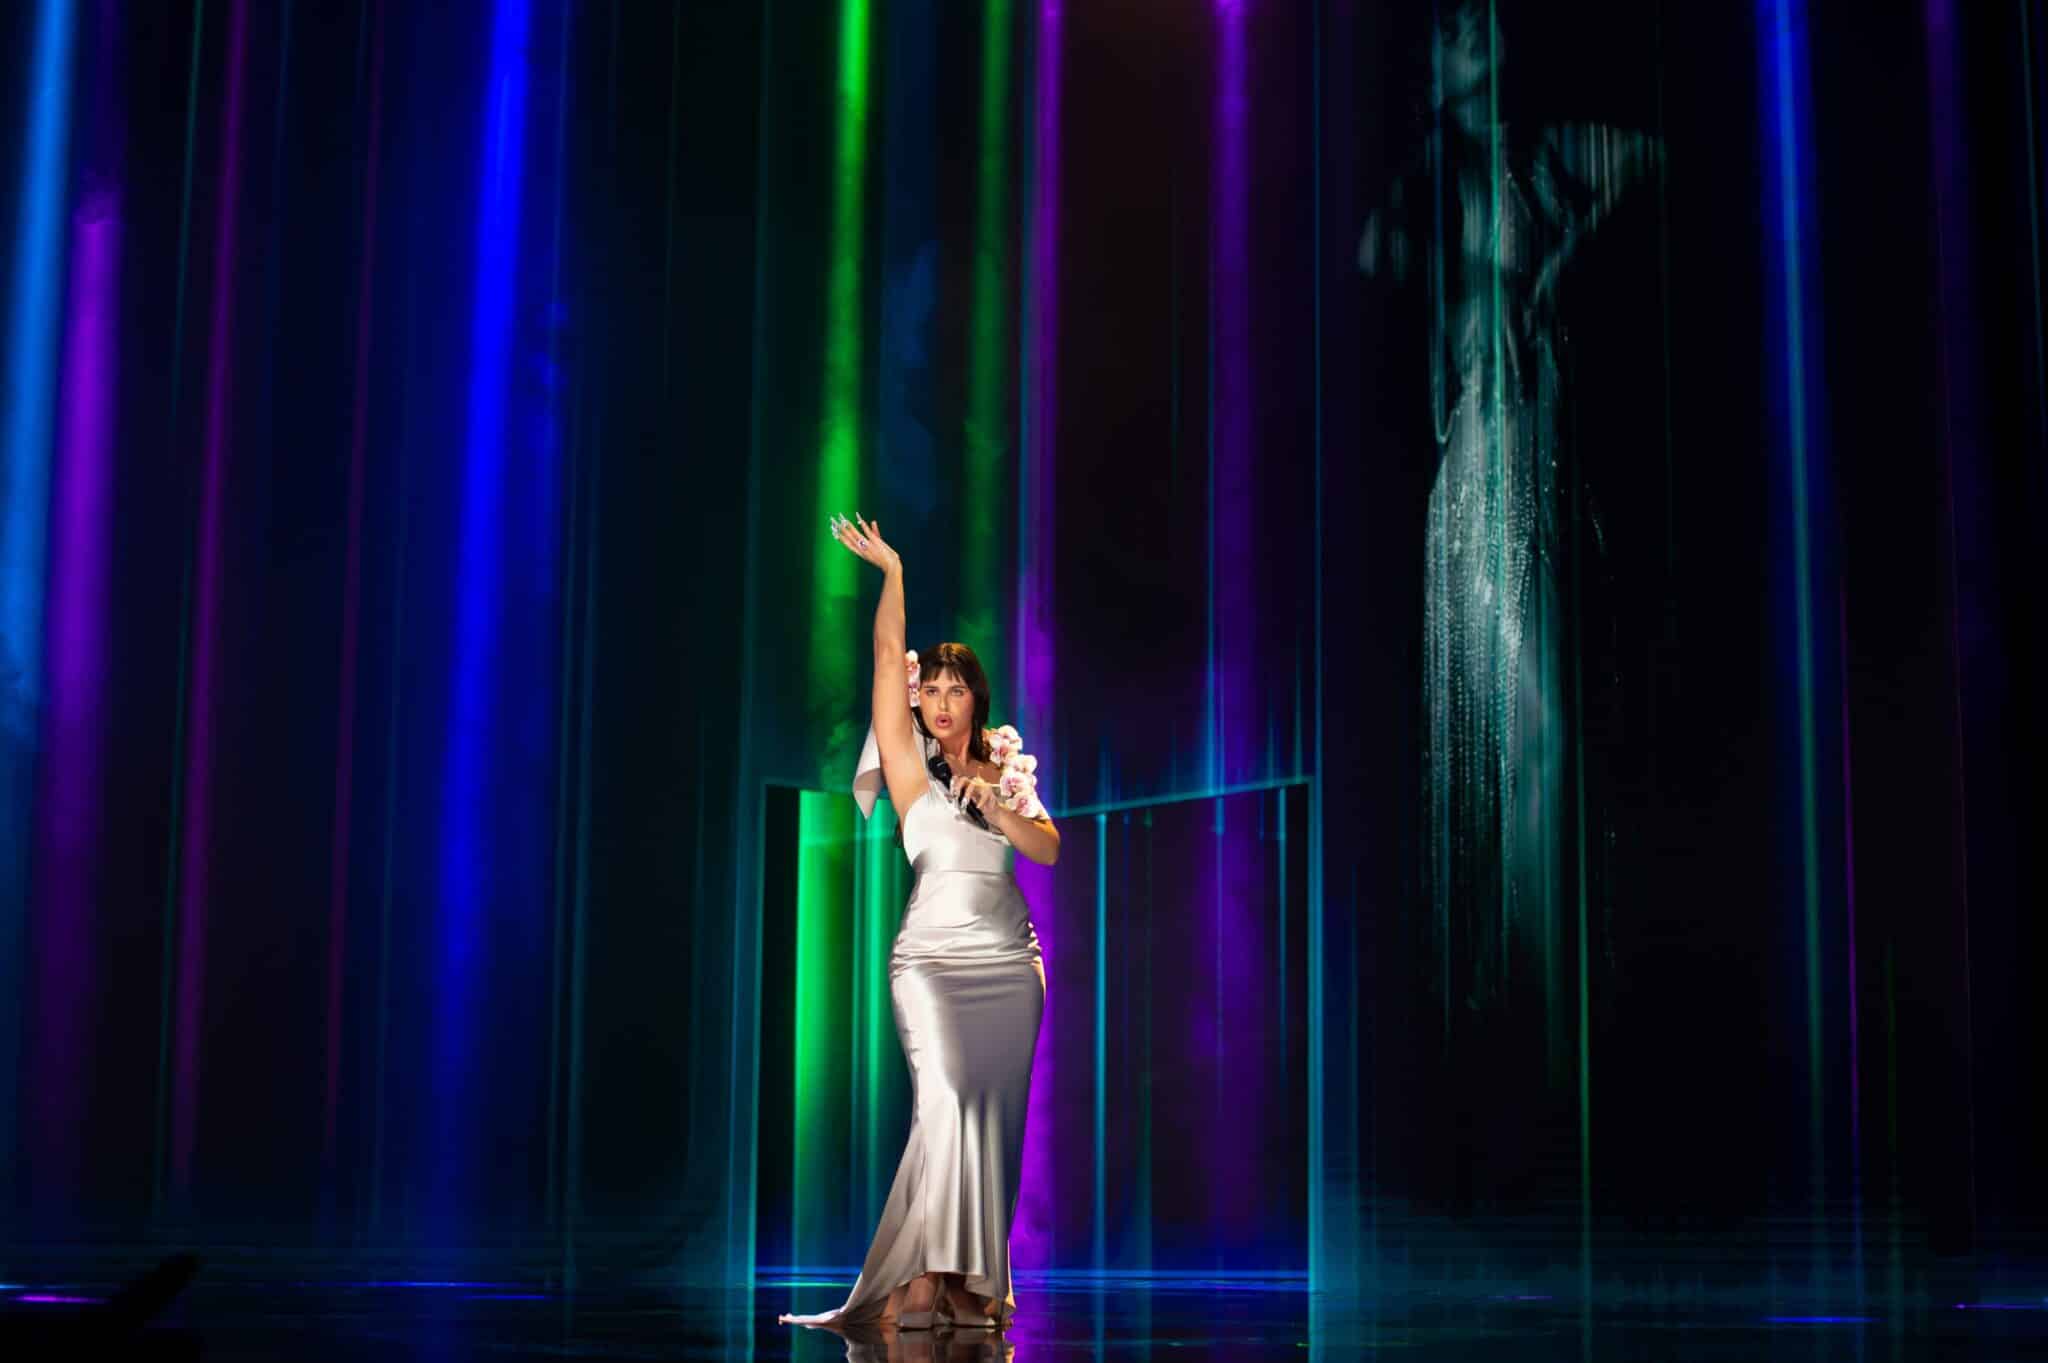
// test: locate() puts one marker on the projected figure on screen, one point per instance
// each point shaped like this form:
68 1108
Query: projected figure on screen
1489 216
965 975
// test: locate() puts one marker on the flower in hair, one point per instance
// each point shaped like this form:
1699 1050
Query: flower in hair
910 664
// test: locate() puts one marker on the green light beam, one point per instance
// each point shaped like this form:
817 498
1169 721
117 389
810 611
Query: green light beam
983 475
835 581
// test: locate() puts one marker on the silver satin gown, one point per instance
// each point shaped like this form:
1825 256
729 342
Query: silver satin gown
969 990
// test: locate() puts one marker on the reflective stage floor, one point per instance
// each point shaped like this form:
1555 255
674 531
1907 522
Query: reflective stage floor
1974 1314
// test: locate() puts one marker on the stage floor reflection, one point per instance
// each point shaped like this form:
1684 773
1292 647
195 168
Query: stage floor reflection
1954 1314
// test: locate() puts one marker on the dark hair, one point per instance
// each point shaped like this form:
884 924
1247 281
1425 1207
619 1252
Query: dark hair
959 660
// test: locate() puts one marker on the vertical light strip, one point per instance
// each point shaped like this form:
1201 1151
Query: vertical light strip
31 371
983 543
1664 326
351 603
1234 728
818 1022
394 690
668 211
832 674
861 896
1501 467
76 656
1895 1219
586 703
1782 40
807 1032
1956 354
567 794
1280 912
1032 1236
1585 956
835 583
743 1146
1142 1201
24 492
195 886
1318 1183
1851 971
874 1022
2034 216
468 778
1101 1191
1233 736
167 988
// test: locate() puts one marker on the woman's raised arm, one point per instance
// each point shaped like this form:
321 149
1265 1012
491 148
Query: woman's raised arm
895 737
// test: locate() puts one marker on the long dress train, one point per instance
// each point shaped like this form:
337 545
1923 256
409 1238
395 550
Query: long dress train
969 990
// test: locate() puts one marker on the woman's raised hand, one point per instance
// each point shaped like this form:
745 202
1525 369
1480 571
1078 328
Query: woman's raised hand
864 539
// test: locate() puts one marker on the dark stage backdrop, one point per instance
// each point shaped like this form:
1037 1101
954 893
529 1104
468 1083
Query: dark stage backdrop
1511 534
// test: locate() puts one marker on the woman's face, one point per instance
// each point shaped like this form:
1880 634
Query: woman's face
1468 50
947 705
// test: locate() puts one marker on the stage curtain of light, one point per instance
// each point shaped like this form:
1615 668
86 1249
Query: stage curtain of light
427 693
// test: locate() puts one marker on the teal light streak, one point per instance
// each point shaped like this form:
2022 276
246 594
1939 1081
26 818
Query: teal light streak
1498 474
1101 1040
1789 170
1280 910
1585 987
1180 797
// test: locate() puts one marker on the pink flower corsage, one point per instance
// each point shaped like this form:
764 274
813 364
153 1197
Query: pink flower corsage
910 662
1017 787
